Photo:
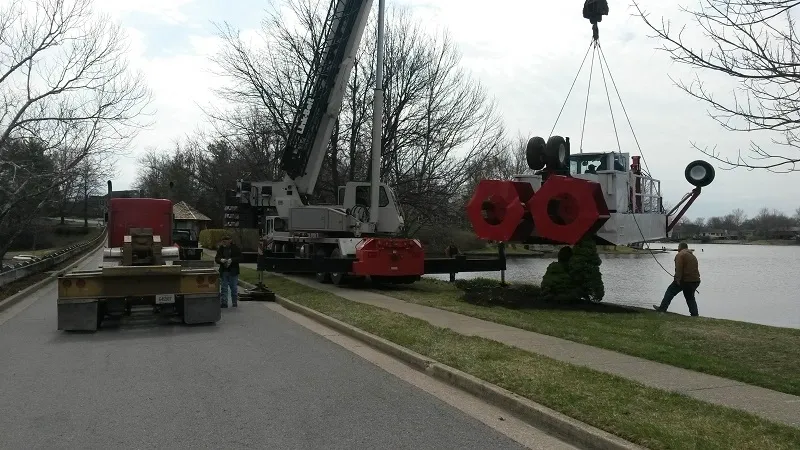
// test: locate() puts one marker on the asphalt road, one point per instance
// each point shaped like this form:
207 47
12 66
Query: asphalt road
255 380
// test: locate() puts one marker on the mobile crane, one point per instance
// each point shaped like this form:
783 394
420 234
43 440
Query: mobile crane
358 236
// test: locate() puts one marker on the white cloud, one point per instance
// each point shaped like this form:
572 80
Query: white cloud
526 54
169 11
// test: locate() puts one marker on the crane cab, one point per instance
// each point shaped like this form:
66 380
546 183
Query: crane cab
592 163
355 198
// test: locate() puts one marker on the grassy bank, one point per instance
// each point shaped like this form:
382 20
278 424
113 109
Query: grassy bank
53 238
647 416
755 354
15 287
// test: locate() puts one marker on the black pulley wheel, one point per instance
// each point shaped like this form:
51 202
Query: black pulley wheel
556 153
534 153
699 173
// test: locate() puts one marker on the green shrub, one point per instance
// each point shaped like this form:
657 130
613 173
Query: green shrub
245 238
584 271
477 284
575 276
556 283
210 237
488 292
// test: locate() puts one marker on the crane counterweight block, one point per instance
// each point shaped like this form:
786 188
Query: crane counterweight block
390 257
566 209
498 212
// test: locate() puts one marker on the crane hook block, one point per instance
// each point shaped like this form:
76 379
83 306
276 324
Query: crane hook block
594 10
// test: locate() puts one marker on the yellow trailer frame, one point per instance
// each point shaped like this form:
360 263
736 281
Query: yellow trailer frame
86 298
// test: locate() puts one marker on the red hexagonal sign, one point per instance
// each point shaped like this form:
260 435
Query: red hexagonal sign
497 209
566 209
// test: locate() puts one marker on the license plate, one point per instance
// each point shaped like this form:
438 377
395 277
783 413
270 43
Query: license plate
162 299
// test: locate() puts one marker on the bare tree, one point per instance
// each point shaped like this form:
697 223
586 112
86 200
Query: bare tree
738 217
69 188
92 174
755 43
439 125
64 84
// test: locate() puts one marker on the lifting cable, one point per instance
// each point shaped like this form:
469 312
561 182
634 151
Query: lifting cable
633 214
593 11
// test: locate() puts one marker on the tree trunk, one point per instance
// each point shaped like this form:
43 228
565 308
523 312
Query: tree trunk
86 211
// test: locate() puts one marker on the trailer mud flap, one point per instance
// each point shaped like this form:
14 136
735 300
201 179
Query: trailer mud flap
201 308
78 315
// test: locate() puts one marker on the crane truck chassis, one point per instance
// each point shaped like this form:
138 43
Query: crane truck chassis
136 275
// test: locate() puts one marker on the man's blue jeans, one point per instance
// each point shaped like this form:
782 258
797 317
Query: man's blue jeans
228 280
688 288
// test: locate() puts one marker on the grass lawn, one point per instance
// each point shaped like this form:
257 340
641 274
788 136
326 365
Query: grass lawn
649 417
14 287
756 354
58 241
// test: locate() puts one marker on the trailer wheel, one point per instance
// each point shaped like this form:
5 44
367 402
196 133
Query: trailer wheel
101 313
338 278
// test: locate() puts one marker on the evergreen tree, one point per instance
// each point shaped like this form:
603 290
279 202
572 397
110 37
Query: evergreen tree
575 276
556 283
584 271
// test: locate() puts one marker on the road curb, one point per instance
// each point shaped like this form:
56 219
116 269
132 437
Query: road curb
14 299
567 428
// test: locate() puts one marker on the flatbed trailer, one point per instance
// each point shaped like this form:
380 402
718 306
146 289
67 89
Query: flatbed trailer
86 298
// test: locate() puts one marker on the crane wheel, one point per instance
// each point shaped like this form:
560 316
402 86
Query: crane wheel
534 153
338 278
322 277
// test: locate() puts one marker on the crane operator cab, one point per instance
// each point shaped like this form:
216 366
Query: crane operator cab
355 198
592 163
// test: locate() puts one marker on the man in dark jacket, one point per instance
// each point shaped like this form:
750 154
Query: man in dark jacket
686 280
228 257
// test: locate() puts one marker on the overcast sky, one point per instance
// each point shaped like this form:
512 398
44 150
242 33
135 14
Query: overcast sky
526 53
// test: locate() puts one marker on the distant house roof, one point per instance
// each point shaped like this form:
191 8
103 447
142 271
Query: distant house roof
183 211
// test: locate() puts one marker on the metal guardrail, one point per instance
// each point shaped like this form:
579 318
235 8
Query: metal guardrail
13 272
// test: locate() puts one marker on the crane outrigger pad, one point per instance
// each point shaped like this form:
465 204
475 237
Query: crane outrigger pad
259 293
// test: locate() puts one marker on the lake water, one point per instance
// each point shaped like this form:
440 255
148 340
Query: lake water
751 283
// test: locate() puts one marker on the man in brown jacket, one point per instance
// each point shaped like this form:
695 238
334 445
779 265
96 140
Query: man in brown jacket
687 280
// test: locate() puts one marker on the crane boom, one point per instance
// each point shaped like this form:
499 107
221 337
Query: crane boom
322 99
